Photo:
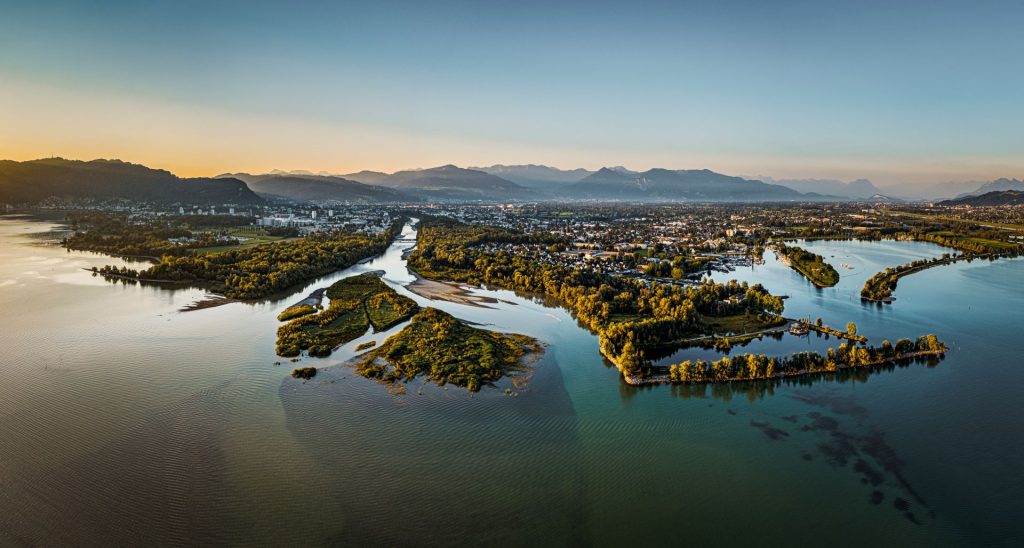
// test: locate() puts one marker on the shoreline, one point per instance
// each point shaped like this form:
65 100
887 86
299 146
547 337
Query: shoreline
663 378
447 291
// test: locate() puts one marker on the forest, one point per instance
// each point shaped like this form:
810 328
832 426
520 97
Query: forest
116 234
263 270
812 266
760 367
446 351
630 317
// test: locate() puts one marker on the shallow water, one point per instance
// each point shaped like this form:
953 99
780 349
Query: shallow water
126 421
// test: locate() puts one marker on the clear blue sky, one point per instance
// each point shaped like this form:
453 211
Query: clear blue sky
898 90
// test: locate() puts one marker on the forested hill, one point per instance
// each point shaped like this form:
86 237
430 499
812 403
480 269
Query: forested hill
319 188
36 180
995 198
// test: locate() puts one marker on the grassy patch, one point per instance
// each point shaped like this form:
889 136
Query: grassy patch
739 324
993 245
293 312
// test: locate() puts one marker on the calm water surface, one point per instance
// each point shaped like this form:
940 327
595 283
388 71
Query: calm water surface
126 421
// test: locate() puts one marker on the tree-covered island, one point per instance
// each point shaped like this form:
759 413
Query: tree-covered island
446 350
356 303
811 265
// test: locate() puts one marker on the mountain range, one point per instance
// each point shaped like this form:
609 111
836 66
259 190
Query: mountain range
993 198
660 185
995 186
860 188
449 183
537 177
37 180
318 188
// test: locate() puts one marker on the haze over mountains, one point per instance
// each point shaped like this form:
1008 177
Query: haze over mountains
317 188
996 186
538 177
33 181
449 182
860 188
993 198
671 185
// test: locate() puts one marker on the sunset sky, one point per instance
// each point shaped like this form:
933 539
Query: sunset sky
897 92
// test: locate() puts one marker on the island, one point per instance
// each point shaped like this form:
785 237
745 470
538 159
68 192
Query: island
446 350
750 367
356 303
812 266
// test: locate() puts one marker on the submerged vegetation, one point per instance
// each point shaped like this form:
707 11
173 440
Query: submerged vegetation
812 266
446 351
356 303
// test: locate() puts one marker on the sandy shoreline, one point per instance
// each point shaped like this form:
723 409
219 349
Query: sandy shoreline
448 291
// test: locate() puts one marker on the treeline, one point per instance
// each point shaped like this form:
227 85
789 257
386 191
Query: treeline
811 265
963 236
115 234
850 334
761 367
210 221
880 286
629 315
678 267
256 272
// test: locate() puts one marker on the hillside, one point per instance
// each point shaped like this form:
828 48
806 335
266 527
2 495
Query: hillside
681 185
860 188
319 188
538 177
36 180
997 185
367 177
994 198
453 183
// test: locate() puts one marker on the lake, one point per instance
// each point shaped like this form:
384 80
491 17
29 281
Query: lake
124 420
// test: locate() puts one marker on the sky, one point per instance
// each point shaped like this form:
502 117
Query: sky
896 91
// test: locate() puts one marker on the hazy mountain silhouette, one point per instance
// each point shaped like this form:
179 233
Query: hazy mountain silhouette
860 188
994 198
319 188
676 185
538 177
451 183
995 186
36 180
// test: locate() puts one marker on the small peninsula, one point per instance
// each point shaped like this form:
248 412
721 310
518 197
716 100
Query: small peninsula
812 266
447 351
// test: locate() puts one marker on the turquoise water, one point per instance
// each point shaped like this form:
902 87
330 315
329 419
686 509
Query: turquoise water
126 421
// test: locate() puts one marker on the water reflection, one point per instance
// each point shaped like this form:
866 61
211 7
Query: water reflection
115 404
